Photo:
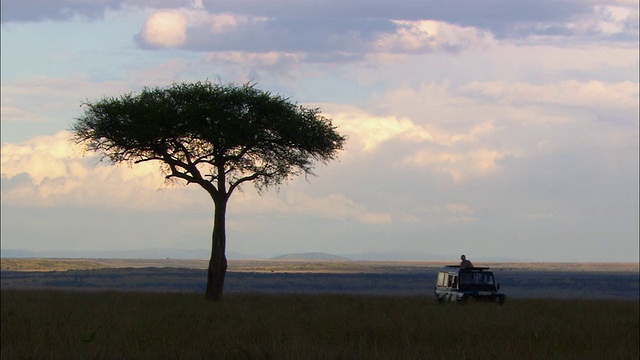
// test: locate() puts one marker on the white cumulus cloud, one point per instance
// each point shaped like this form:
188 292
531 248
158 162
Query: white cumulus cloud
165 28
367 130
429 35
51 171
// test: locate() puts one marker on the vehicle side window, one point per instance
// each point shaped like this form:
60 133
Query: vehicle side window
488 279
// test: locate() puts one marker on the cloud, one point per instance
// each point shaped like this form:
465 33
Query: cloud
460 165
607 22
466 12
427 35
41 158
230 32
62 10
503 19
295 202
479 130
273 60
165 29
16 11
461 154
366 131
172 28
314 27
346 30
11 114
591 94
51 171
458 208
39 99
238 33
51 98
611 20
220 23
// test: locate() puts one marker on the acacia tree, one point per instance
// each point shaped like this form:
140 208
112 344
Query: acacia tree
218 136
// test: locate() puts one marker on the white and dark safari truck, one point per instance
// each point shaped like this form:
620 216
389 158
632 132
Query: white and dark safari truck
459 284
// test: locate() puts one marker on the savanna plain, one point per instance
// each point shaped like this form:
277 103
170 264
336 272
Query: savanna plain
73 323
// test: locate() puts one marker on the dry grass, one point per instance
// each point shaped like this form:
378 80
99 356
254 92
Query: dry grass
294 266
98 325
49 264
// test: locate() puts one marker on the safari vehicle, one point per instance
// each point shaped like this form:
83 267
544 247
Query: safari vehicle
460 284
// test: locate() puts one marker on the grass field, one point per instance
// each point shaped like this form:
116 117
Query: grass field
137 325
293 266
524 280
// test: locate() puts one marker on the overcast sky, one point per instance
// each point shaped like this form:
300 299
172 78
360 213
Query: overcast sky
504 128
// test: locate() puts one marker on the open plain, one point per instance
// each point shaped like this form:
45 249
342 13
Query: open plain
65 324
517 280
149 309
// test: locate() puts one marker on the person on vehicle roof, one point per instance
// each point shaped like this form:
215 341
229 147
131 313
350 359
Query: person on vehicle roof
464 263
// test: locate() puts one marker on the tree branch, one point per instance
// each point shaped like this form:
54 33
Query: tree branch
254 176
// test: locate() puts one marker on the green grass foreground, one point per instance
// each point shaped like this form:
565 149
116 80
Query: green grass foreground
133 325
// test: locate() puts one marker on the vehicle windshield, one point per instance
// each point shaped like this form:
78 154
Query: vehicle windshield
477 280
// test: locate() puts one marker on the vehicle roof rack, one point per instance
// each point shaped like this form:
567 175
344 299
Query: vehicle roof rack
468 268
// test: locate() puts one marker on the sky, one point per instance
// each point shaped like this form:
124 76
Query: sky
491 128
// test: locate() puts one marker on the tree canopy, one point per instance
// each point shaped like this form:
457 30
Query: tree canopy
216 135
198 129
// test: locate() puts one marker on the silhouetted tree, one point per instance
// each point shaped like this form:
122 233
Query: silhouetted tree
218 136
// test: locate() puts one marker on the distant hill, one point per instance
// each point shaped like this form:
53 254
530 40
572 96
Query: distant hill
128 254
398 256
310 256
203 254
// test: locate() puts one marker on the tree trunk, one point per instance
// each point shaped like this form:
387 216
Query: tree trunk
218 262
